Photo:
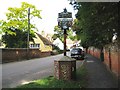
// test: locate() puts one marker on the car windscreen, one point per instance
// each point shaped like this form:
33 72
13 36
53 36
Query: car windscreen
76 50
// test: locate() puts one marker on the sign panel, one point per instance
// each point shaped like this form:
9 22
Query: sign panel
64 19
65 15
65 23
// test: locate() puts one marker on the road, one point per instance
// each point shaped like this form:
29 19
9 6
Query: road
16 73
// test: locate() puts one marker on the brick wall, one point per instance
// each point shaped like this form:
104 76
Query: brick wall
111 57
106 57
119 63
44 54
94 51
114 62
18 54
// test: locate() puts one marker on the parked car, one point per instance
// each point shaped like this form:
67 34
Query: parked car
77 53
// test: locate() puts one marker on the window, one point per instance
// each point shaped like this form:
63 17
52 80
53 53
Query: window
34 45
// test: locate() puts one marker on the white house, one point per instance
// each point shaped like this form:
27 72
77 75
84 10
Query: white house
69 43
58 43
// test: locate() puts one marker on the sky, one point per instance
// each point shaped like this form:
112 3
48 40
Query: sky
49 13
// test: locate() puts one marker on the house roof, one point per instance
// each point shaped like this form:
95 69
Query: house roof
45 41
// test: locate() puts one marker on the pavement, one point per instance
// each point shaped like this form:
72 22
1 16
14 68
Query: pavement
98 75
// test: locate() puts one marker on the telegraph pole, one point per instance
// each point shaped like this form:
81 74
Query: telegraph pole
28 34
28 27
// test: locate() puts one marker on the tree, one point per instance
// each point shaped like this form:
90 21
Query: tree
59 33
71 35
96 23
16 41
17 24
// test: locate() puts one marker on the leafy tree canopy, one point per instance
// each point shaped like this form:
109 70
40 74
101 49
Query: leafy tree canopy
96 22
16 41
59 33
17 21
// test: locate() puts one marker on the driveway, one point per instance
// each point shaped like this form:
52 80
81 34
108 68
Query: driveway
16 73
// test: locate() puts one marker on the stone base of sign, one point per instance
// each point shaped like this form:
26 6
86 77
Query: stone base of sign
65 68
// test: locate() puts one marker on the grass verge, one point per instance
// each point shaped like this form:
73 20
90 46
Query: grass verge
51 82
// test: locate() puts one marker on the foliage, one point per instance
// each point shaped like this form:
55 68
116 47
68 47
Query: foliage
17 40
71 35
60 34
17 19
96 23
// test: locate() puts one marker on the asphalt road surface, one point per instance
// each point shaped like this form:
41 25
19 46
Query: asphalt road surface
17 73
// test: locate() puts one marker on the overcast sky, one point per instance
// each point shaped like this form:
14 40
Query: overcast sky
50 10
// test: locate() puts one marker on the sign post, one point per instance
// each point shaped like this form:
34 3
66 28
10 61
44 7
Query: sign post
64 22
65 68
